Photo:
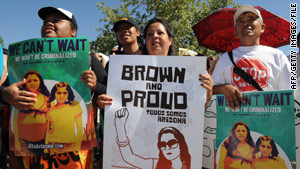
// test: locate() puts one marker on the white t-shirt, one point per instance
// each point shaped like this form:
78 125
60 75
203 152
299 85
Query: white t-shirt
268 66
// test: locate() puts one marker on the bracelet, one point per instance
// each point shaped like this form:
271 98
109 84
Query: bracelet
123 144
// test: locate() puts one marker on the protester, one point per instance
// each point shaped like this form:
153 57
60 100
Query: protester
237 150
57 23
158 36
269 67
4 73
4 117
101 57
128 36
13 161
114 50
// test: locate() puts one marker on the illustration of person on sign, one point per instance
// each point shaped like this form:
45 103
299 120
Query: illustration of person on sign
32 122
62 130
237 150
173 149
267 151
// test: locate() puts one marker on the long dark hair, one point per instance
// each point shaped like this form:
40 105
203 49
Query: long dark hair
42 89
232 141
274 153
185 157
168 28
71 95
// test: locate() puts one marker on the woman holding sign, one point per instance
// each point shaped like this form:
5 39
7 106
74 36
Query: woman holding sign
158 36
268 155
32 122
237 150
62 130
173 149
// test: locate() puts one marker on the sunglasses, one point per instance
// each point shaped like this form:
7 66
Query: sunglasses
171 144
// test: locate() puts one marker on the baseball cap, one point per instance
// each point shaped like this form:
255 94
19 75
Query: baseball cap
126 20
46 11
246 8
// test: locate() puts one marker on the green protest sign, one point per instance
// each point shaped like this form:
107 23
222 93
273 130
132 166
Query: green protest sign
52 68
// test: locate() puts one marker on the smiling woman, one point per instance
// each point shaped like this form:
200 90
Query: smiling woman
267 152
128 36
32 122
237 150
63 104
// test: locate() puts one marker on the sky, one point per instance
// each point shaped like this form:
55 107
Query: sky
19 20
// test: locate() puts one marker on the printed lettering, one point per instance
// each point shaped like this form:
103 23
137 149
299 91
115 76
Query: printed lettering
151 73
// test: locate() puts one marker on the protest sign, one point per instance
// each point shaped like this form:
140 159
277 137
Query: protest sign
209 134
210 130
261 132
61 120
157 110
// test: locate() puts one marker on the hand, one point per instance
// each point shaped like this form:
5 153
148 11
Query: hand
232 95
206 83
120 121
104 100
89 78
121 115
20 99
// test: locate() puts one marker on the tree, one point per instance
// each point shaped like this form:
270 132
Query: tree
181 14
1 41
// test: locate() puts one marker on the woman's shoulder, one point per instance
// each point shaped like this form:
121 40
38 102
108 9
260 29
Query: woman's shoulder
279 159
74 103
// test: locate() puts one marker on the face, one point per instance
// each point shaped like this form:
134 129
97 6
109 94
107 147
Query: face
127 34
61 95
265 148
32 82
169 146
114 50
241 132
248 25
157 40
56 25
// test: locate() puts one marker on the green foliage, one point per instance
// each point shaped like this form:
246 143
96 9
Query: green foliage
1 41
181 14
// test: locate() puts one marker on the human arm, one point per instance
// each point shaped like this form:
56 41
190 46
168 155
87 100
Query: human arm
89 78
231 93
16 97
123 142
206 83
101 75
